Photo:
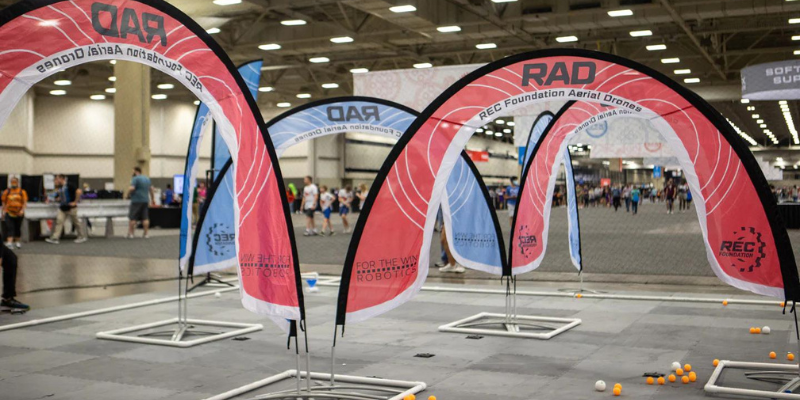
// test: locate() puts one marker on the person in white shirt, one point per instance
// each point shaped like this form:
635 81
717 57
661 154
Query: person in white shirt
345 200
326 204
310 200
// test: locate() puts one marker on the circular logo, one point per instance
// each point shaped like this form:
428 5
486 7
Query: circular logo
597 130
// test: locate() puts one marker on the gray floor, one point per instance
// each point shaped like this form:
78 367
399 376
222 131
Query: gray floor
617 342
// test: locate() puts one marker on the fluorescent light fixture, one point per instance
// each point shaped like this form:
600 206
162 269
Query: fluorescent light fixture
656 47
196 102
403 9
226 2
330 85
759 121
674 60
498 134
796 37
270 46
111 90
783 102
485 46
63 82
112 78
58 92
503 1
745 101
284 105
682 71
342 39
479 130
318 60
756 116
510 123
213 31
506 130
691 80
422 65
98 97
796 52
159 96
762 125
304 95
293 22
642 33
488 132
794 20
620 13
359 70
499 122
113 62
165 86
751 108
449 29
566 39
266 89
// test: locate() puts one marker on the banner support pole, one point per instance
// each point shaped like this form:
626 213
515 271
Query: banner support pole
333 354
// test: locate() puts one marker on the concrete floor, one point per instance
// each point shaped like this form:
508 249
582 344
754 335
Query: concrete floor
617 342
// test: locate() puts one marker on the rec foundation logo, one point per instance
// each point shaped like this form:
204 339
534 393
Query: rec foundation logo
526 240
745 251
219 239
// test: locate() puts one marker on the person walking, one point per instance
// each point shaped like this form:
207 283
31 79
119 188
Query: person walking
294 203
15 200
634 201
67 196
310 201
345 199
326 204
362 196
451 265
290 199
141 195
626 195
670 191
512 191
615 197
682 189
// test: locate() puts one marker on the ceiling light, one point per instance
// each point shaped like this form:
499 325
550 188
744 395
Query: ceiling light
656 47
751 108
488 132
796 37
682 71
742 134
113 62
745 101
213 31
284 105
794 20
402 9
317 60
98 97
270 46
266 89
503 1
796 52
762 125
566 39
165 86
506 130
422 65
226 2
196 102
510 123
641 33
499 122
111 90
63 82
293 22
304 95
58 92
359 70
330 85
159 96
756 116
783 102
112 78
674 60
691 80
342 39
620 13
449 29
485 46
759 121
479 130
498 134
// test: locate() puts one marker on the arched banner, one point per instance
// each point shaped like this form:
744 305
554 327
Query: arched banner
42 37
541 124
739 221
251 74
371 116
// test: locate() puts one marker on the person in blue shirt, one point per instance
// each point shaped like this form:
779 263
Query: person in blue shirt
141 195
169 196
511 199
635 194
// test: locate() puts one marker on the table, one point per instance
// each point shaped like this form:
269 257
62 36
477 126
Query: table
90 208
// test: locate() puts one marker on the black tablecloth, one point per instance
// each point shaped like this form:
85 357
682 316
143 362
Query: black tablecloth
790 212
165 217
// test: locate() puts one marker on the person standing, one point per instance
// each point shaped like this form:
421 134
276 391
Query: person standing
326 204
8 262
169 196
67 196
310 201
511 200
682 189
293 203
626 195
615 196
362 196
345 199
290 199
15 200
670 191
634 201
141 195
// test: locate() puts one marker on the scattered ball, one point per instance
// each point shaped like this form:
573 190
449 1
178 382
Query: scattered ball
218 295
676 365
783 304
618 386
772 355
661 380
752 330
679 372
758 331
685 380
790 356
766 330
672 378
687 367
431 397
692 376
724 302
579 295
650 380
410 397
617 391
716 362
600 386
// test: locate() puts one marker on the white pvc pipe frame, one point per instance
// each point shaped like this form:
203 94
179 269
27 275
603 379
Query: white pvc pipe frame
711 386
453 327
413 387
89 313
119 334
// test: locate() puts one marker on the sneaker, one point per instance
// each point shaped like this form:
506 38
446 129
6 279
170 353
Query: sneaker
51 241
14 303
147 236
459 269
10 246
331 233
129 236
346 230
19 245
80 240
448 268
307 233
439 265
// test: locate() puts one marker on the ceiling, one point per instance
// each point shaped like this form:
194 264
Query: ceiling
714 39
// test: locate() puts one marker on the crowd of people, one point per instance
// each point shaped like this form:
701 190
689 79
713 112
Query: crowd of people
320 198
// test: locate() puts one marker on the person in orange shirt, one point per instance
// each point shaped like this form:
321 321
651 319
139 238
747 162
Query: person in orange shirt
15 200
